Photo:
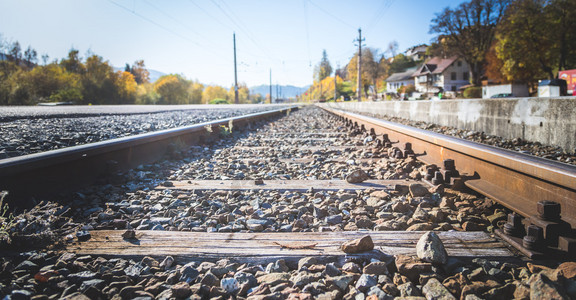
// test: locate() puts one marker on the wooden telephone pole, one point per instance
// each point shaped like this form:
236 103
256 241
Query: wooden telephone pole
360 40
336 82
236 101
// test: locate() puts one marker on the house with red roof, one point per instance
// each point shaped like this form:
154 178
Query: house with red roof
441 75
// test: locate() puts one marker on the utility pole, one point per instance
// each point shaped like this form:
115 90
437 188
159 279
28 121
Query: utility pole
270 86
360 40
335 82
236 101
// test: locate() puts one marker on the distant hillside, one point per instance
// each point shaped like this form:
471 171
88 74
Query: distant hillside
154 75
284 91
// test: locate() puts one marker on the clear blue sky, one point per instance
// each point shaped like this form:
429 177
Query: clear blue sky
194 37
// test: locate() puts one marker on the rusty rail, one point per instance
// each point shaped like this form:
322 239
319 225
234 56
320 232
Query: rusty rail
518 181
51 172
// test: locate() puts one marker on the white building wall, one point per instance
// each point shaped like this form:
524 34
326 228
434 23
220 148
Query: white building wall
461 70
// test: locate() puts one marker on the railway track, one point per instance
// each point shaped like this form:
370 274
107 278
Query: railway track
258 208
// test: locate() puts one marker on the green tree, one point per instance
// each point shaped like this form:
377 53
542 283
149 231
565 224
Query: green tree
563 18
73 63
145 94
400 63
15 53
469 30
99 82
30 57
172 89
323 69
53 83
535 40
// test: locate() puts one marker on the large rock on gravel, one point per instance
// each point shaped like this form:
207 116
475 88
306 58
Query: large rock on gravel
357 176
433 289
362 244
365 282
274 278
376 268
181 290
412 267
541 287
418 190
341 282
431 249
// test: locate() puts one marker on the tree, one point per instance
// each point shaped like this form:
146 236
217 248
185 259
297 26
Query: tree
127 87
469 30
141 74
400 63
323 69
53 83
440 48
212 92
99 82
30 57
15 53
562 14
495 65
392 48
370 69
195 92
73 63
535 40
243 93
172 89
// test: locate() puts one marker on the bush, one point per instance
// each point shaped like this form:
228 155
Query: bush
219 101
473 92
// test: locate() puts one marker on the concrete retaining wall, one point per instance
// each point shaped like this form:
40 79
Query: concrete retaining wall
550 121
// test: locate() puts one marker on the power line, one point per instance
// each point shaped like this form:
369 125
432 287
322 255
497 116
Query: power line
211 16
239 24
217 19
307 32
379 14
331 15
178 21
155 23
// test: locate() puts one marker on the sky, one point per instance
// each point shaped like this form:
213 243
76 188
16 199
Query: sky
194 38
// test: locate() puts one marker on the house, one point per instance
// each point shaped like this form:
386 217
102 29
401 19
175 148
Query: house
417 52
441 75
397 80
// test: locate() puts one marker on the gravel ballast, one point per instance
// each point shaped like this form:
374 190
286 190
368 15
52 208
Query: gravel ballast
37 129
133 203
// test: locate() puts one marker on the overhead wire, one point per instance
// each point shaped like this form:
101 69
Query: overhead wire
204 38
378 16
155 23
307 32
331 15
242 28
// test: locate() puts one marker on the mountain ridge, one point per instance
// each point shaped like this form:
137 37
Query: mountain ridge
283 91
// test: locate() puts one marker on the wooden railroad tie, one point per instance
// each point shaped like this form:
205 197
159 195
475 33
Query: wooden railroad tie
262 248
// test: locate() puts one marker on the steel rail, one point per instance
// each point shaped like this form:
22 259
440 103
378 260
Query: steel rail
516 180
47 173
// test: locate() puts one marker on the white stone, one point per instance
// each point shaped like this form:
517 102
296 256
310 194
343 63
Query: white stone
431 249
